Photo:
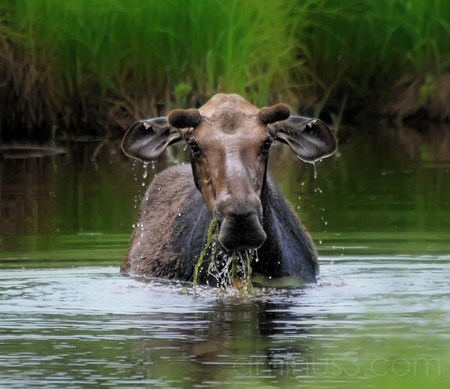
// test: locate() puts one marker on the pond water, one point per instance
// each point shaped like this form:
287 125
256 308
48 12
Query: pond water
379 212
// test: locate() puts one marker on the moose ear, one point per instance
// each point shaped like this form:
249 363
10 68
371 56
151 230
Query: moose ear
275 113
147 139
184 118
310 139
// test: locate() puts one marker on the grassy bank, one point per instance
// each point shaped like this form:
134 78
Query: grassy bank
89 67
388 56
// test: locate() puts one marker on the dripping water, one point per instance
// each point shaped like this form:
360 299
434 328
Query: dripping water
229 269
144 175
315 170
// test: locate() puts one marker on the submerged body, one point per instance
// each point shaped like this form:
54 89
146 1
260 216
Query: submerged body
173 223
227 185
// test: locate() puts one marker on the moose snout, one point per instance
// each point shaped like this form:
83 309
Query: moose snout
240 224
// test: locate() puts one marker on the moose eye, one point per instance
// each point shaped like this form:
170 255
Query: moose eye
266 146
196 151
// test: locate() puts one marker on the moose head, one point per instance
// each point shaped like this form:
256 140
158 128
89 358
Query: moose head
229 140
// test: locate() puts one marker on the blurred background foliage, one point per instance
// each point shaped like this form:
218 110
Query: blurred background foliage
78 68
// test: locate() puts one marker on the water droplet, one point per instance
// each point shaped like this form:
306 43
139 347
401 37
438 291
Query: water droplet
144 176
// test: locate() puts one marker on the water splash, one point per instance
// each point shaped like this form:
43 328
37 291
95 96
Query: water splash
232 269
227 269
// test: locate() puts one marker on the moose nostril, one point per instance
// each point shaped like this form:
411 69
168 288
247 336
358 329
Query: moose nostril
241 216
241 234
241 211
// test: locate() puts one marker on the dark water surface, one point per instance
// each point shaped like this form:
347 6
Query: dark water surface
379 212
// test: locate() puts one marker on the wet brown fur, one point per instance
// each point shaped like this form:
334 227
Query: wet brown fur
160 208
228 140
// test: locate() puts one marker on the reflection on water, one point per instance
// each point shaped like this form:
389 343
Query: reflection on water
371 319
379 212
385 191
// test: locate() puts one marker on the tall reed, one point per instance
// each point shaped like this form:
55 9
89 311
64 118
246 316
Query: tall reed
132 55
365 49
88 66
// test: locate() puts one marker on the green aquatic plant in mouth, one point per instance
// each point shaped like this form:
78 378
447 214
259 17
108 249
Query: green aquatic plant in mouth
228 269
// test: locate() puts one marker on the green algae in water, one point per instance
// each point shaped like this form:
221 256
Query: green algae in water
228 269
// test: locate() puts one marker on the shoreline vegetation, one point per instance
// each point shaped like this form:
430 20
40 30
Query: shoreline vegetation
80 68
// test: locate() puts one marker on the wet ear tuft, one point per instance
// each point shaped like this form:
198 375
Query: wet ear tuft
184 118
275 113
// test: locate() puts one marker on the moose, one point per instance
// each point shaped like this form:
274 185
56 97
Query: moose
228 141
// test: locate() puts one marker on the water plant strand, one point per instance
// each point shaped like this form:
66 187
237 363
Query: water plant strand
201 257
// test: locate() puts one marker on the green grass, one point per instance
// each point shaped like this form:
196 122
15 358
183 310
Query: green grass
132 55
85 66
365 48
